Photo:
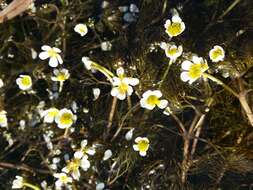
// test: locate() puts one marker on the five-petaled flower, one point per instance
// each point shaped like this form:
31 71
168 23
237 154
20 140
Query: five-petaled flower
84 150
194 69
60 75
53 54
175 26
73 168
24 82
142 145
65 118
217 54
122 86
49 115
63 180
82 29
172 51
151 98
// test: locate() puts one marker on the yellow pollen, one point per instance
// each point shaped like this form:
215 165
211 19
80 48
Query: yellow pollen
66 119
123 88
51 53
26 81
172 51
64 178
174 29
153 100
61 77
195 71
73 165
216 53
143 145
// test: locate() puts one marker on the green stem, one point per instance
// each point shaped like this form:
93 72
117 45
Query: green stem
31 186
165 74
221 83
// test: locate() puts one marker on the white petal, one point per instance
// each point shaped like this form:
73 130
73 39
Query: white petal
116 81
157 93
107 154
120 71
114 91
135 147
121 96
143 153
43 55
147 94
163 104
167 24
184 76
57 50
96 93
133 81
53 62
129 134
196 59
46 48
100 186
129 90
186 65
176 18
59 59
84 143
78 154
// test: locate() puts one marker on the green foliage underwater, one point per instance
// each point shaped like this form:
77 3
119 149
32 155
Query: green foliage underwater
126 94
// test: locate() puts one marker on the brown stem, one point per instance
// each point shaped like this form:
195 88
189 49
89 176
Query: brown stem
245 105
111 114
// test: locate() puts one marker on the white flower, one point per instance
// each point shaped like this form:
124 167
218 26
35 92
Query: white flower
217 54
84 150
194 69
52 54
73 168
172 51
82 29
3 119
122 86
96 93
1 83
87 63
18 183
100 186
60 75
150 99
175 26
129 134
49 115
142 145
85 163
24 82
107 154
65 118
63 180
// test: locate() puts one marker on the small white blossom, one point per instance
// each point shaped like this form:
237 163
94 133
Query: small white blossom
129 134
96 93
3 119
60 75
84 150
172 51
81 29
122 86
142 145
24 82
217 54
63 180
150 99
65 118
175 26
53 54
49 115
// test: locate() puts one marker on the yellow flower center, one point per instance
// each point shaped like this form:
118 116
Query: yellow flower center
174 29
216 53
53 112
123 88
82 29
64 178
143 145
196 70
73 165
66 119
51 53
172 51
152 100
61 77
2 119
26 81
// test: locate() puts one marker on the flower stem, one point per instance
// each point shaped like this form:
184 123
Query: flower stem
31 186
221 83
165 74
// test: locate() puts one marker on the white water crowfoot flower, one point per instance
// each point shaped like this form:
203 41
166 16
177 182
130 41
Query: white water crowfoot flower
81 29
194 69
142 145
122 86
217 54
53 54
150 99
49 115
3 119
60 76
73 168
24 82
175 26
84 150
65 118
172 51
63 180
